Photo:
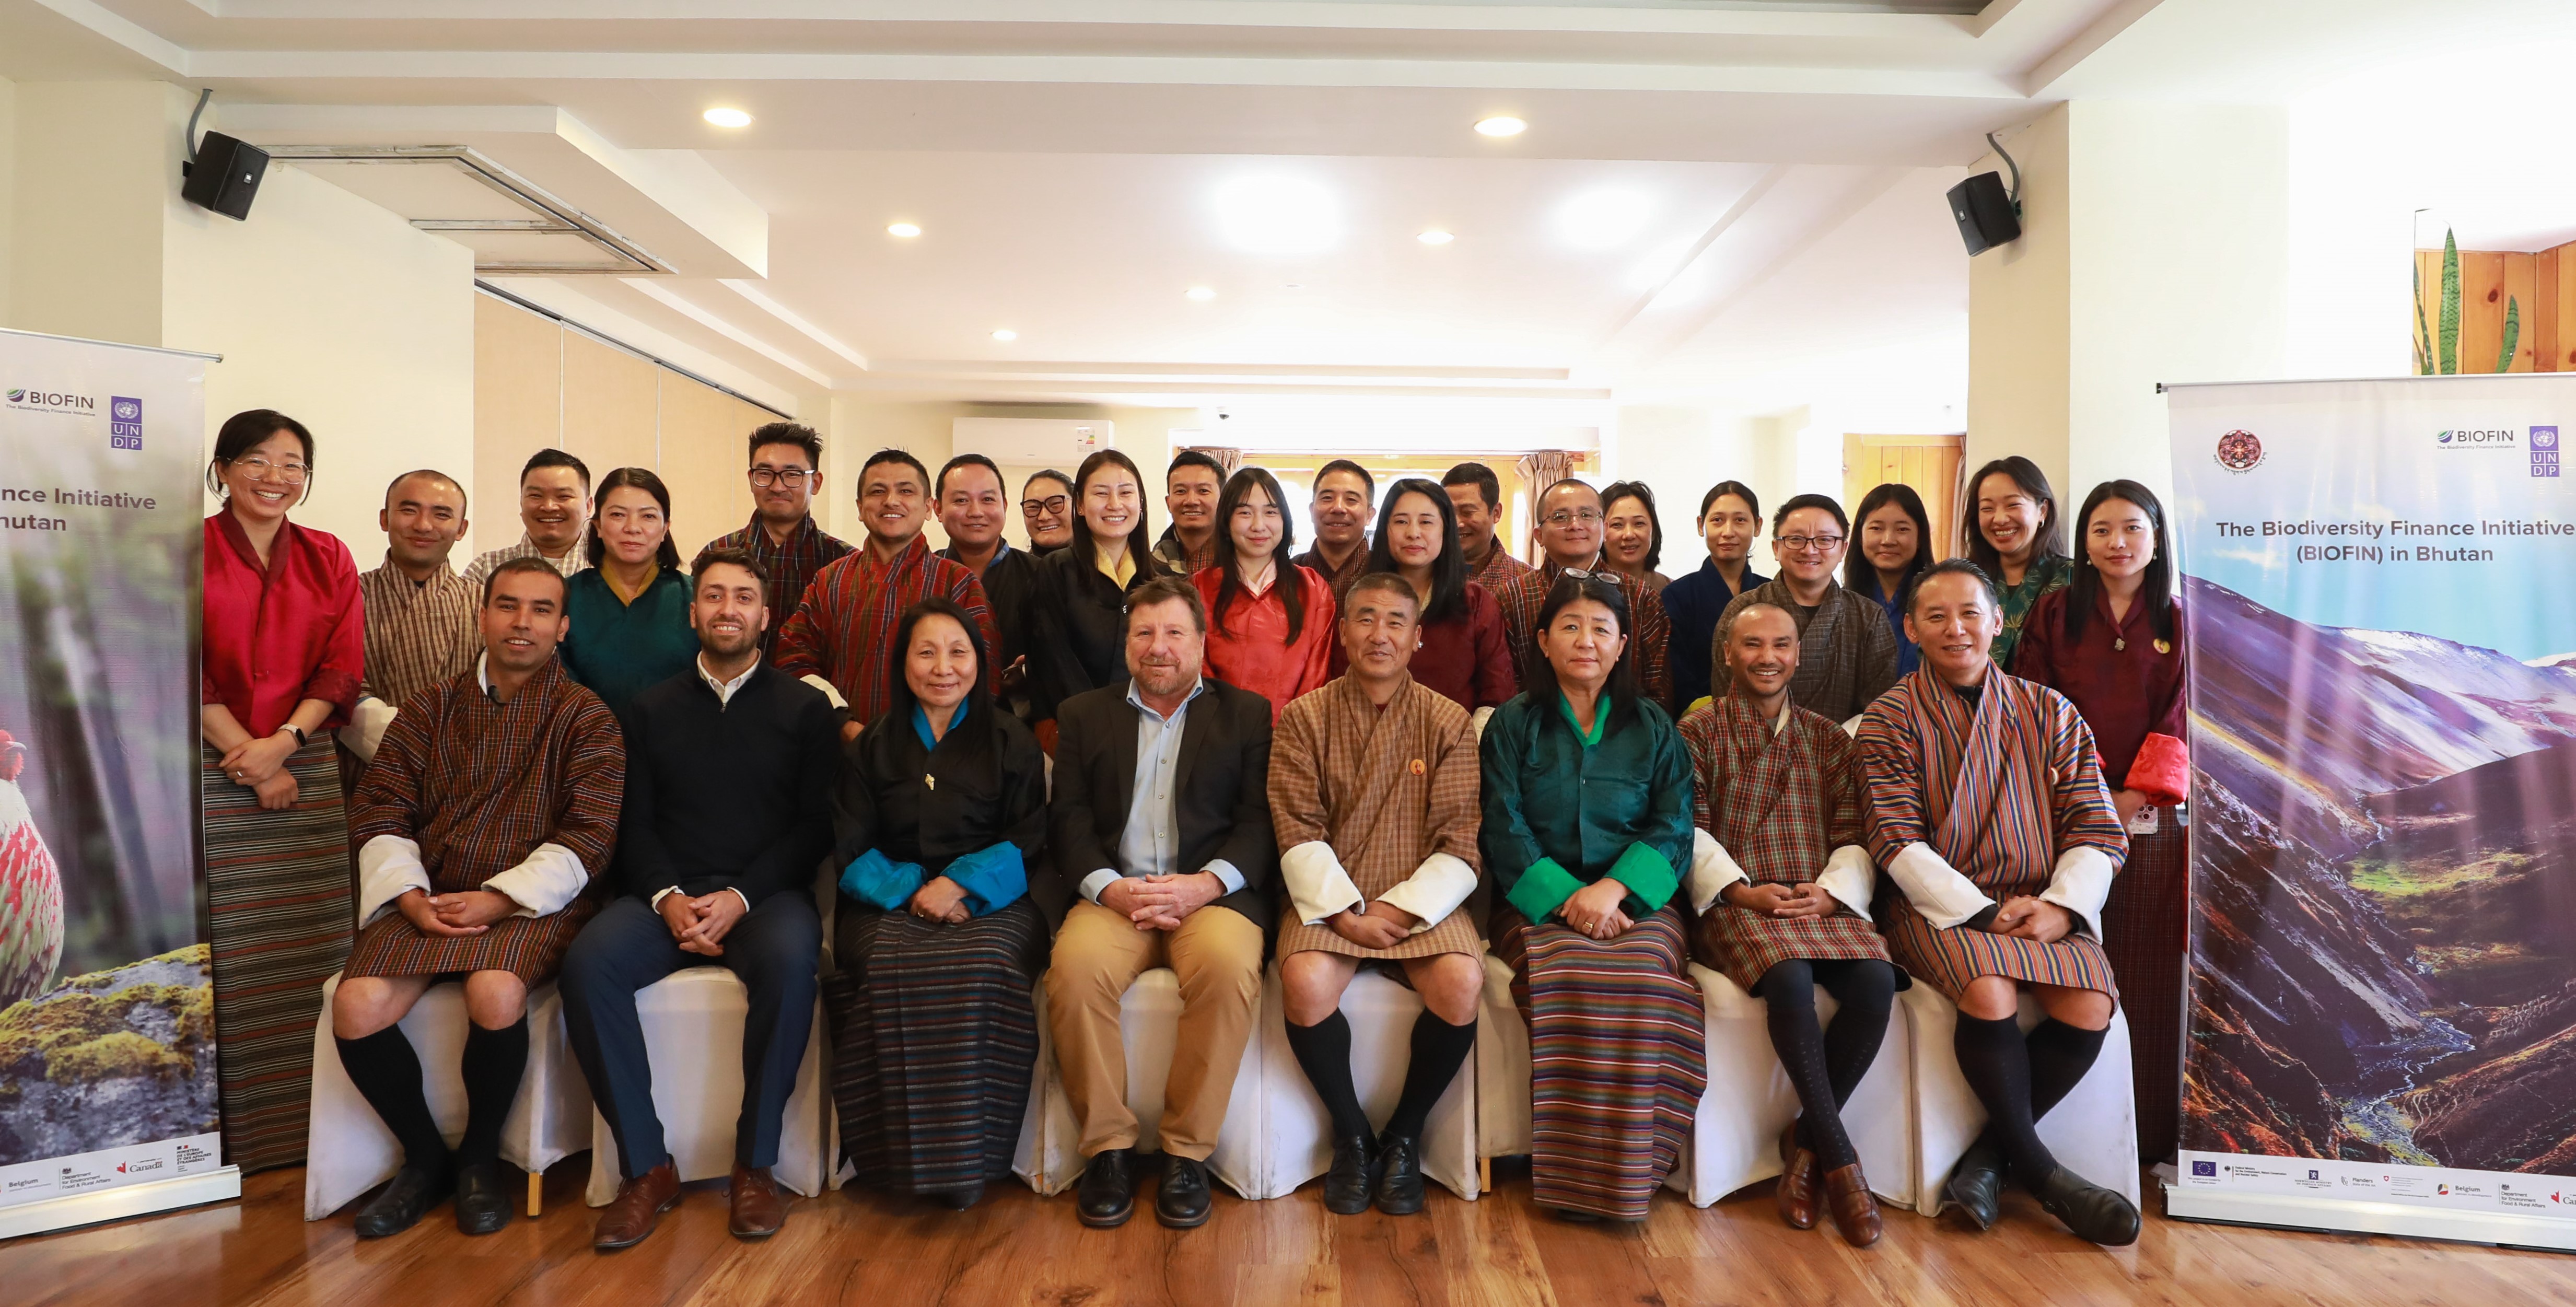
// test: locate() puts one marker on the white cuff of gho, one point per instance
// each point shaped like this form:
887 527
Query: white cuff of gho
1935 888
389 867
1318 888
830 691
367 727
1850 879
1712 869
1434 890
2080 885
549 878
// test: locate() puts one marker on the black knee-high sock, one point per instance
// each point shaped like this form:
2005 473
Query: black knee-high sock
1789 997
386 1071
1324 1050
494 1061
1439 1049
2060 1054
1864 991
1997 1066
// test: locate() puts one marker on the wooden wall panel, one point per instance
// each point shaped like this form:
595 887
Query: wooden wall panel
611 406
2481 309
518 407
2543 283
2520 285
1930 464
2562 299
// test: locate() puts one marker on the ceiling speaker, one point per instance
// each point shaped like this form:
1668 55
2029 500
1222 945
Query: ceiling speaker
1987 215
225 176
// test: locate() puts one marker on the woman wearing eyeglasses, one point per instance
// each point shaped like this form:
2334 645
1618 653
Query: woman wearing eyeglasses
1846 651
1046 507
284 643
1587 828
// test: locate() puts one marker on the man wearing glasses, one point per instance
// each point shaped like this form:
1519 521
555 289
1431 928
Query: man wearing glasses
782 536
1569 540
1846 656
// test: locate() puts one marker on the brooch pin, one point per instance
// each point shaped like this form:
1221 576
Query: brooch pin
2164 646
930 780
1417 766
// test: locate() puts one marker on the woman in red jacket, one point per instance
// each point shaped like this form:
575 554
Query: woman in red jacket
1464 655
1270 621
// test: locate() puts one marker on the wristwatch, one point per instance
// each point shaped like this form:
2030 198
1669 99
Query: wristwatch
296 731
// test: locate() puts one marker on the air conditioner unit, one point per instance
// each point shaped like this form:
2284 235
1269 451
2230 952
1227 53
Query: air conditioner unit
1060 443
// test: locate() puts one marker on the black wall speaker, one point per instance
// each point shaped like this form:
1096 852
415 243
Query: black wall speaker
1986 215
225 177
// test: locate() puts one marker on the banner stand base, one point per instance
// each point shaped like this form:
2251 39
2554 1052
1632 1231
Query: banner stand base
119 1203
2351 1216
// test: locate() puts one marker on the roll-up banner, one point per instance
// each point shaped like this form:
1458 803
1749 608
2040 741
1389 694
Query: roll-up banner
107 1040
2381 581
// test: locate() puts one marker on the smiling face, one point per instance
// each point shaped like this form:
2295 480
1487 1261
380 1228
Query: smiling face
2009 516
972 507
1415 534
267 479
939 662
631 525
1628 533
728 608
2120 539
1165 647
1888 538
1046 508
1809 544
1255 527
1112 502
1583 644
554 505
893 502
1380 631
422 518
1569 524
1190 495
1341 509
1728 529
1954 621
1762 649
790 492
523 619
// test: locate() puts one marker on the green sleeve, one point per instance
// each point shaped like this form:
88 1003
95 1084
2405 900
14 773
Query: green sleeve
1543 889
1648 876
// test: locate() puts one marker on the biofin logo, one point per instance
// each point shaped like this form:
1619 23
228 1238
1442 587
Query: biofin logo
37 400
2240 451
2478 438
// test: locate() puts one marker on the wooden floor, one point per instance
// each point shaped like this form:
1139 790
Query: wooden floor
869 1251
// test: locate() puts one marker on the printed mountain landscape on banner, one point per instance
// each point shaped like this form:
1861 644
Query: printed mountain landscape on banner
2384 832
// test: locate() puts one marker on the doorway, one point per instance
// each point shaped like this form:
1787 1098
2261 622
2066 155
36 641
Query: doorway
1930 464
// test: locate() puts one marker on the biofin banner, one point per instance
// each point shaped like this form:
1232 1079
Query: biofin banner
2381 581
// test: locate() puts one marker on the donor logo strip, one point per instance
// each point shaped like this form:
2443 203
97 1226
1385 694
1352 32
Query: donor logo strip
35 400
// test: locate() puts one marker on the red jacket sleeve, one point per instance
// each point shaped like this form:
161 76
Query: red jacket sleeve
1322 628
1497 677
341 669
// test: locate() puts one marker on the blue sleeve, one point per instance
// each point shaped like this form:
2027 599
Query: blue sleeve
994 878
872 877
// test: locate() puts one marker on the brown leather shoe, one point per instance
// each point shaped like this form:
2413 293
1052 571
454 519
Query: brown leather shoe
1797 1191
1854 1208
758 1208
639 1203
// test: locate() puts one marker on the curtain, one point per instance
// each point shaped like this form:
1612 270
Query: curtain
1542 468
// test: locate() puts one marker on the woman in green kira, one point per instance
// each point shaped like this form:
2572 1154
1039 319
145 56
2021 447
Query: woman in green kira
630 607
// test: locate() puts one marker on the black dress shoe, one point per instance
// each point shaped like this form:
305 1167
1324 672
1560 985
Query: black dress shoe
959 1199
2094 1213
482 1199
1107 1195
414 1190
1348 1184
1399 1177
1976 1185
1183 1202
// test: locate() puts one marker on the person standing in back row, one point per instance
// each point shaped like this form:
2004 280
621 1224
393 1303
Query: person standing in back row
2018 539
973 506
1082 589
1476 496
1190 489
554 512
1345 498
1846 653
782 536
420 614
1730 517
1569 533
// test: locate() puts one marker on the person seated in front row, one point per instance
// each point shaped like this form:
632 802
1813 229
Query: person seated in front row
1587 794
1782 889
490 805
939 823
1373 789
1160 840
1987 809
728 774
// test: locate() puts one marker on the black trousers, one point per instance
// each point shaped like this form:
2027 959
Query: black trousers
627 947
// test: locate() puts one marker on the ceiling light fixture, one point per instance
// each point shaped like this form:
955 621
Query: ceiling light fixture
1006 335
723 116
1278 214
1201 293
906 230
1501 125
1435 236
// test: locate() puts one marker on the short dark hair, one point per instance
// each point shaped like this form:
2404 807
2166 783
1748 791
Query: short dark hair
939 488
243 432
1752 502
1165 589
892 455
1726 628
650 482
551 457
1643 494
1471 473
1345 465
432 473
1387 581
787 433
1953 567
527 563
1560 484
712 556
1800 502
1195 458
1047 474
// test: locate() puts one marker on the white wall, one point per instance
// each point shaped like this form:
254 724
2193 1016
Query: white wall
1681 452
94 165
338 313
861 426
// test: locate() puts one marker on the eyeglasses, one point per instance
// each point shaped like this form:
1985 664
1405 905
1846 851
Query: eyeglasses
1053 504
766 477
1801 544
1567 516
292 474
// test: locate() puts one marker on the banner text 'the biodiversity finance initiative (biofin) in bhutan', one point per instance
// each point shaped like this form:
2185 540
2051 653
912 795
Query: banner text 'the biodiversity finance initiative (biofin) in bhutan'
2396 541
76 498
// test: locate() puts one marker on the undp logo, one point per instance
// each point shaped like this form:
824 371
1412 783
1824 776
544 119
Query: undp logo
2544 437
121 409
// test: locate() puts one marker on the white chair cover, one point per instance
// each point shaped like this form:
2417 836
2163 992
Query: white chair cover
2094 1132
693 1039
1502 1069
351 1151
1050 1152
1299 1132
1735 1137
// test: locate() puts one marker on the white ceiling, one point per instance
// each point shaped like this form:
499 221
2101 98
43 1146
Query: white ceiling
1784 159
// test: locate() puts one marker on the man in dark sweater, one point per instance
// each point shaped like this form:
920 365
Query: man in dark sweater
727 817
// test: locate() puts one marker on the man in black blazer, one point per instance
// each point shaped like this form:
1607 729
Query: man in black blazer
1162 855
727 815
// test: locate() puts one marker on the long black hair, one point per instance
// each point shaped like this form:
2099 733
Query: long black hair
978 705
1448 567
2155 589
1602 589
644 479
1643 494
1860 576
2049 539
1289 580
1137 550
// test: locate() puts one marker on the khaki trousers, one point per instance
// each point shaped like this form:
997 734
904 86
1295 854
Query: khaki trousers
1216 952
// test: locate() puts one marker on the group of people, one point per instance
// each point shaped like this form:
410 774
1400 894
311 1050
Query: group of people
1112 751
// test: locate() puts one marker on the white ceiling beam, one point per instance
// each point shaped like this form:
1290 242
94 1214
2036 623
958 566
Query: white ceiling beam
1860 195
662 293
1217 371
761 300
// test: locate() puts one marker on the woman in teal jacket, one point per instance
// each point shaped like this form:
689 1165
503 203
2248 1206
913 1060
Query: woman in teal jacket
1587 830
630 607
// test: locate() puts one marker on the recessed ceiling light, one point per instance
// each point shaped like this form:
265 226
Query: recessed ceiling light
728 117
1201 293
1597 220
906 230
1006 335
1435 236
1276 214
1501 125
